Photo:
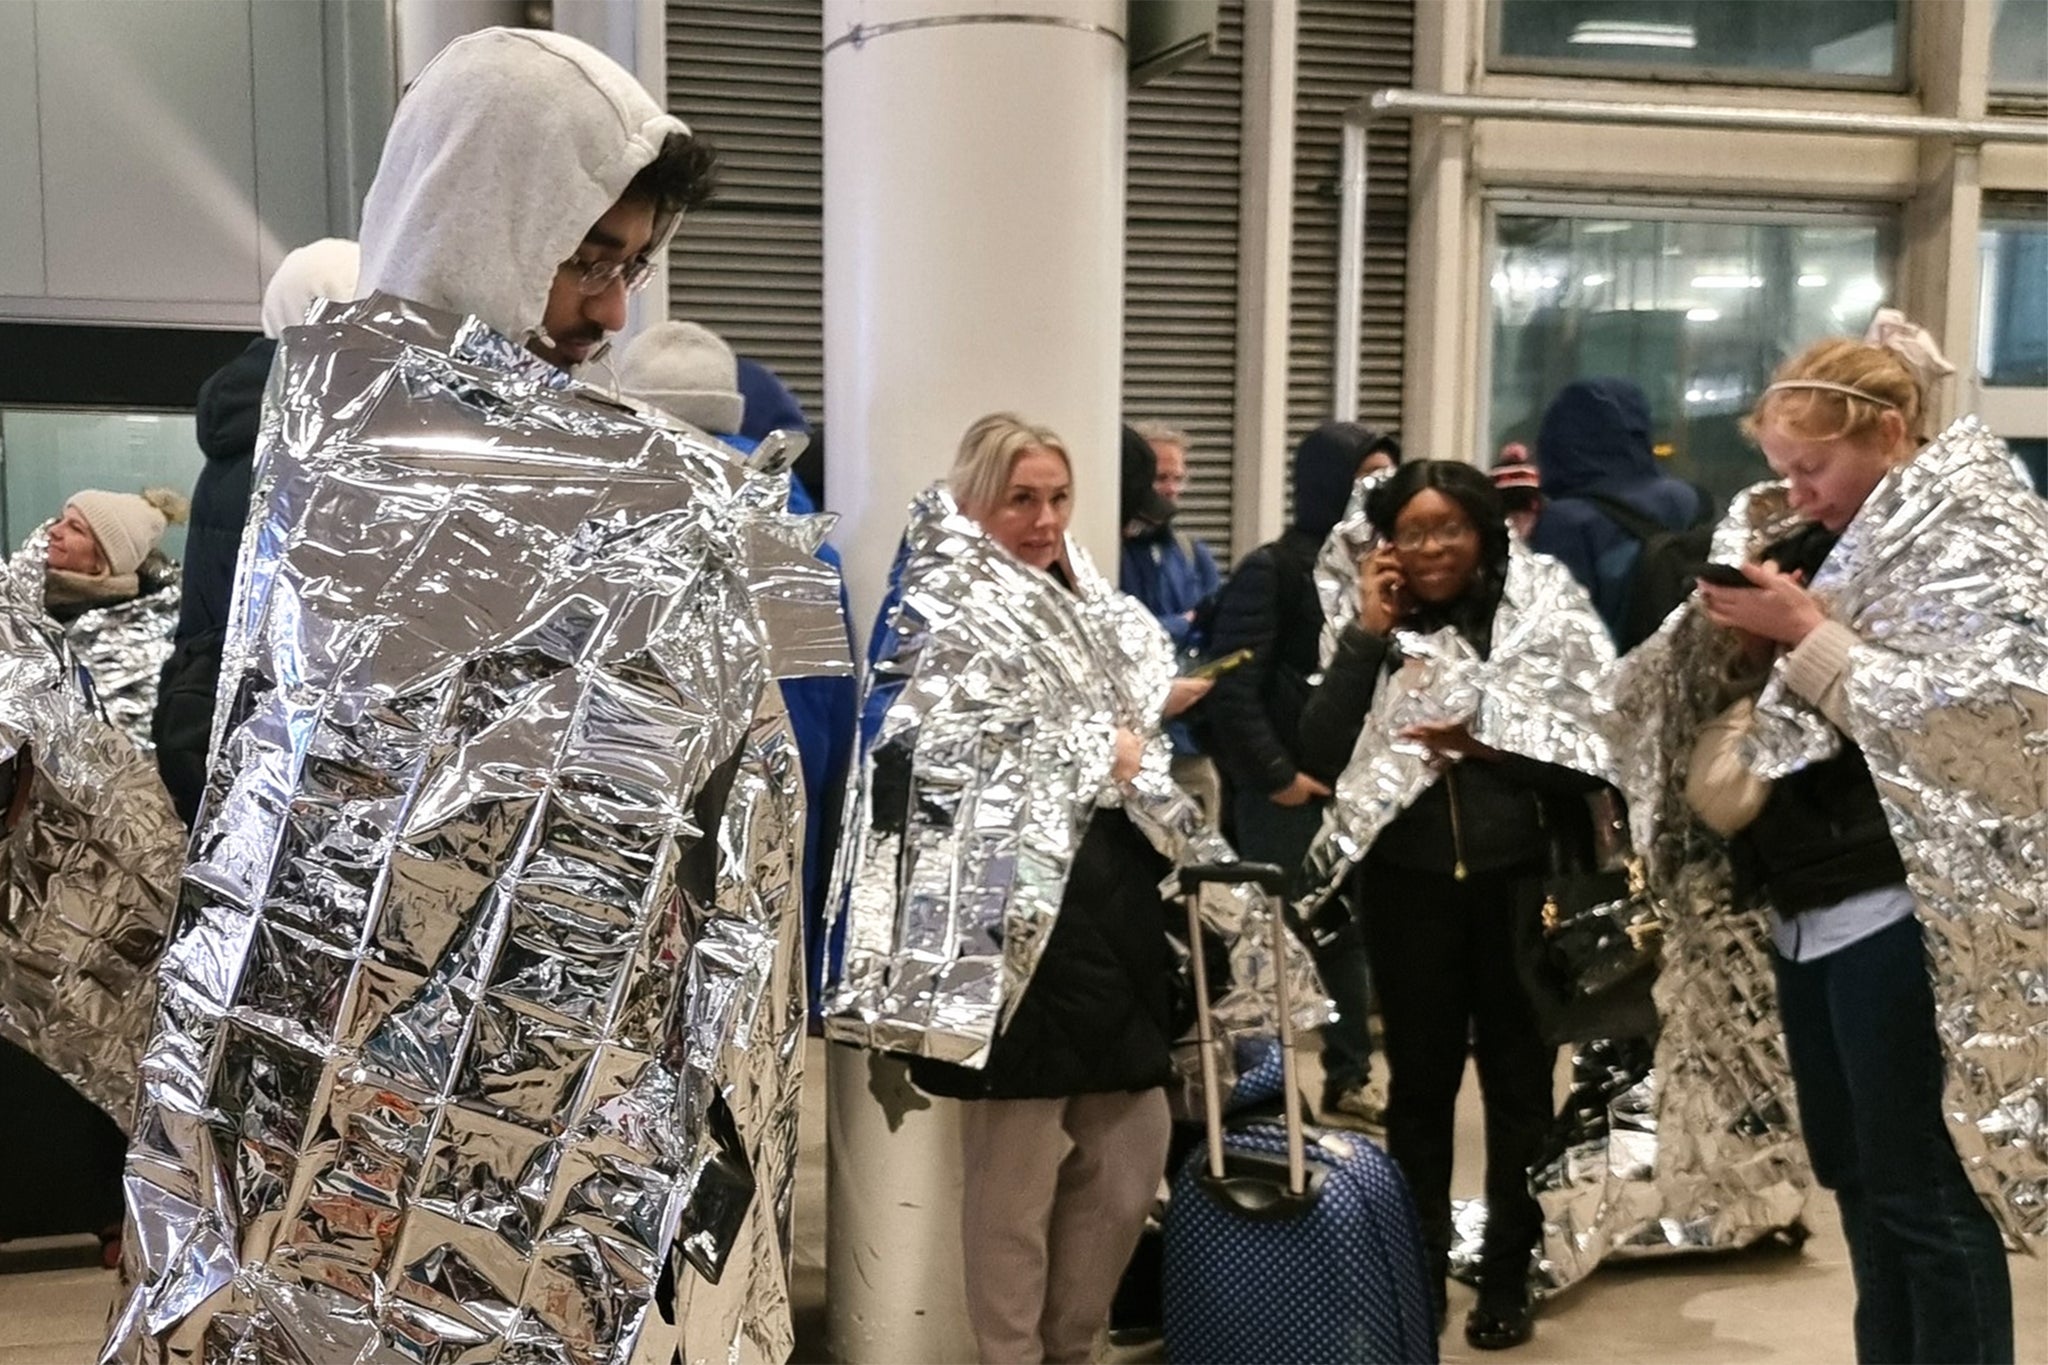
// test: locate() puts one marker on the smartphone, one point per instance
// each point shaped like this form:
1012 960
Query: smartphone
1216 668
1720 575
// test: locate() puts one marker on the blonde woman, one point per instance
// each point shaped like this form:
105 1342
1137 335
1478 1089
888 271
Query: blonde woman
1004 867
1895 612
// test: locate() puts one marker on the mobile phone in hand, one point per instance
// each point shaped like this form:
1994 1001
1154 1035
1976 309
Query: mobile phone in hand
1216 668
1720 575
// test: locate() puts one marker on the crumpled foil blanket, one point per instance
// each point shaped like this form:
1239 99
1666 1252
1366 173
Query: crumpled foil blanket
1697 1152
1944 575
481 999
1538 694
90 856
1000 692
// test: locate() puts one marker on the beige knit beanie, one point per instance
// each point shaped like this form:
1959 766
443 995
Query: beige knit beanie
128 525
687 371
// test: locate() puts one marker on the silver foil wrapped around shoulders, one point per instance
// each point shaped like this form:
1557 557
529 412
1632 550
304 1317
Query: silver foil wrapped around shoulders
1000 693
1539 693
90 855
1943 576
1688 1142
481 1002
1697 1151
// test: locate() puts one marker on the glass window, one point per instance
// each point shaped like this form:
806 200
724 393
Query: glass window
1698 311
2012 307
1845 42
2019 48
49 454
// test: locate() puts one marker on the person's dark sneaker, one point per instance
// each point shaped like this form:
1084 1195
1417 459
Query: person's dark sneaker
1498 1326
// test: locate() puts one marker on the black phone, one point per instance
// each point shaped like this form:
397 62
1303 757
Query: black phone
1720 575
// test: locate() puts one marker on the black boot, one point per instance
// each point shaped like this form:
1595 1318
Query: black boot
1503 1318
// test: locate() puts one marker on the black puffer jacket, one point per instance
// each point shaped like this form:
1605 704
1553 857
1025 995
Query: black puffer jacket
1099 1012
1251 717
1482 815
230 406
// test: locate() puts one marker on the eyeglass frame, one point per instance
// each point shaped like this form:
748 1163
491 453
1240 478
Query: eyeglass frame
1443 536
595 277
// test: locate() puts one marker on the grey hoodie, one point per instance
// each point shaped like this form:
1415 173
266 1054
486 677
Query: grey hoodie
503 153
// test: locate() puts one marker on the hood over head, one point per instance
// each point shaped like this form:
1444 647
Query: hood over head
769 405
1139 501
1595 431
504 152
325 269
231 403
1325 467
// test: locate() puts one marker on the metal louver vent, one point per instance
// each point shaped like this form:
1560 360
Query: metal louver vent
1180 267
1348 47
747 76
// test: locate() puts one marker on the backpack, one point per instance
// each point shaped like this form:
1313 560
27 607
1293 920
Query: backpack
1658 576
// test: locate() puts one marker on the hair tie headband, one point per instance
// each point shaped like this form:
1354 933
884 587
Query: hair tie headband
1784 384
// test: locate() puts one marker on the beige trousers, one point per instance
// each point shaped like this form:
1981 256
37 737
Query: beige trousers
1056 1195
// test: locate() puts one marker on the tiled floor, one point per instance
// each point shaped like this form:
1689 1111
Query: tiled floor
1759 1308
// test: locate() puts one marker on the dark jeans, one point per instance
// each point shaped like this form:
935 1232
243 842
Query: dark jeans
1267 833
1931 1277
1443 959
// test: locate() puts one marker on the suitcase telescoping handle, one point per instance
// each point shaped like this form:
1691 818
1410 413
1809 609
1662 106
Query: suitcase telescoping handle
1273 881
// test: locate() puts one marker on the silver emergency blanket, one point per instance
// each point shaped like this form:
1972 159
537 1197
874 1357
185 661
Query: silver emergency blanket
1003 694
1944 575
90 856
1696 1152
1699 1149
1336 571
483 995
123 646
1539 694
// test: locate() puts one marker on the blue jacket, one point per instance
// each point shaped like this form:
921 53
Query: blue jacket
1595 438
1172 575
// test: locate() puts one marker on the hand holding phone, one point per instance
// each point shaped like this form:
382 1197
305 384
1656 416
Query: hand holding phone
1382 592
1216 668
1721 575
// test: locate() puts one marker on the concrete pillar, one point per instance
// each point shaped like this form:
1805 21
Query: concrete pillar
974 228
1440 413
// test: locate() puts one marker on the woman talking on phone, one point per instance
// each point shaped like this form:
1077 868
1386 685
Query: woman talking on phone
1884 670
1452 832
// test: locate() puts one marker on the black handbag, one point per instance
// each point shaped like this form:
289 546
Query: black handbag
1587 933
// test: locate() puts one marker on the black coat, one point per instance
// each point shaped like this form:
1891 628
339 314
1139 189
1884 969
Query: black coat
1486 816
230 407
1269 606
1099 1013
1251 717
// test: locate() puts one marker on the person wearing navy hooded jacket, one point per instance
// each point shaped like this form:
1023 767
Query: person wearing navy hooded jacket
688 371
1595 441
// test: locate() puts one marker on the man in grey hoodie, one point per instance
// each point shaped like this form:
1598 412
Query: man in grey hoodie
528 179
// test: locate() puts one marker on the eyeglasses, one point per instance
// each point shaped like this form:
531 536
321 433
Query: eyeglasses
594 277
1449 534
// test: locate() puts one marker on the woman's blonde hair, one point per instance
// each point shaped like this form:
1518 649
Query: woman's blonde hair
988 452
1840 389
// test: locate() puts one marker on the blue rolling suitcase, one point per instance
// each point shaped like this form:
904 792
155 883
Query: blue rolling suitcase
1285 1244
